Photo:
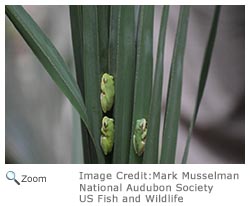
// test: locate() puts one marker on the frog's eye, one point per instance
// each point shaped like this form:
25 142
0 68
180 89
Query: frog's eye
104 80
105 124
141 125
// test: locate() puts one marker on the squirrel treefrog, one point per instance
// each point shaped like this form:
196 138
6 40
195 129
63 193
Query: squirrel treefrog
107 134
107 92
139 137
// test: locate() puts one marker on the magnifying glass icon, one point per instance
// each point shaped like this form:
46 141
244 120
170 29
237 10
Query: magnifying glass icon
10 175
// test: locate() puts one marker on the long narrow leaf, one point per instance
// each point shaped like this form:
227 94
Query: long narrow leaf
144 72
124 83
103 27
77 150
152 143
92 75
203 78
76 18
113 34
173 105
49 57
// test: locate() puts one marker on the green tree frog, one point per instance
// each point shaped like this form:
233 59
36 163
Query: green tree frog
107 92
139 137
107 134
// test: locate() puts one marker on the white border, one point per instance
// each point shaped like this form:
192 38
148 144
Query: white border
64 184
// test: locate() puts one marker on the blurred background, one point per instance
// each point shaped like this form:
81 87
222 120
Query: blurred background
42 127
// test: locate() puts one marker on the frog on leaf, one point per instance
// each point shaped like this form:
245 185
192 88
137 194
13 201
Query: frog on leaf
107 134
139 137
107 92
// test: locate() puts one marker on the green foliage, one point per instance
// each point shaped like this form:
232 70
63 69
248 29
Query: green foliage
151 151
110 39
124 83
173 103
144 72
76 20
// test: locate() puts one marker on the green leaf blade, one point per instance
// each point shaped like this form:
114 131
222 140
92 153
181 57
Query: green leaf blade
144 72
76 20
113 34
152 143
103 27
173 103
203 78
124 83
92 74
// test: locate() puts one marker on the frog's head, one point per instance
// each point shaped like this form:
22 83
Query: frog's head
106 122
141 124
106 78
